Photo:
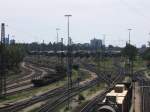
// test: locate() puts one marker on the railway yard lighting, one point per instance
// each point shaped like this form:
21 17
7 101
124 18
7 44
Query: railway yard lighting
57 31
57 41
69 60
129 35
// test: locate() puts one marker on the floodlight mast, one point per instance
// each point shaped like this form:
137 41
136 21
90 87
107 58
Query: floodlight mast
57 44
131 68
68 16
129 35
69 60
57 29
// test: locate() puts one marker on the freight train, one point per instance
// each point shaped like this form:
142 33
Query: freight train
50 78
80 53
118 99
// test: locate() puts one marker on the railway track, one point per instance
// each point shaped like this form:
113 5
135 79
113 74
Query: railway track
23 104
145 96
102 74
145 90
24 73
51 106
25 82
93 103
20 105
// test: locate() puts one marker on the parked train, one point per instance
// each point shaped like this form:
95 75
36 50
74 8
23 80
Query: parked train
79 53
50 78
118 99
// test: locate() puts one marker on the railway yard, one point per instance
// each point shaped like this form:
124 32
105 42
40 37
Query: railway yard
89 88
74 56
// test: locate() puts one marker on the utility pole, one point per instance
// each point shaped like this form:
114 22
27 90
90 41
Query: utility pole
2 63
69 61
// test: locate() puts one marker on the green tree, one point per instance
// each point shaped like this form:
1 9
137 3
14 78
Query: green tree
12 55
146 57
130 51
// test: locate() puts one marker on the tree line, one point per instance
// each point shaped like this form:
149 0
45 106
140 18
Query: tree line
59 46
11 55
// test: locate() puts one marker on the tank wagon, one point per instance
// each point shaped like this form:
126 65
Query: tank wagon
50 78
118 99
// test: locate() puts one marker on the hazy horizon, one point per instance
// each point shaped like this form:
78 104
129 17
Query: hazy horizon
32 20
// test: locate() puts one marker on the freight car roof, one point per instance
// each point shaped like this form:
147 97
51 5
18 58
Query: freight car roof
119 95
120 85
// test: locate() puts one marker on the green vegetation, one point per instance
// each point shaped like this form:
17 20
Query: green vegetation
88 95
66 109
81 97
34 110
12 55
43 61
105 64
146 54
37 91
146 57
29 94
139 64
147 73
130 51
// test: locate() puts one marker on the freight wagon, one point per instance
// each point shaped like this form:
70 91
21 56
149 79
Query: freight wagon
118 99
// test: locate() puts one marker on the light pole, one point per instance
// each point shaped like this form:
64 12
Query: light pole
62 52
57 29
103 48
129 35
68 16
57 46
131 68
69 60
149 41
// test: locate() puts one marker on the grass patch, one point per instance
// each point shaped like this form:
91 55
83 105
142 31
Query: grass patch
34 110
35 91
39 90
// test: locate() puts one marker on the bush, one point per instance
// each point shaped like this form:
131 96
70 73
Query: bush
66 109
81 97
76 67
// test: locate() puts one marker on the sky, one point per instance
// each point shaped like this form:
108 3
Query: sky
37 20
